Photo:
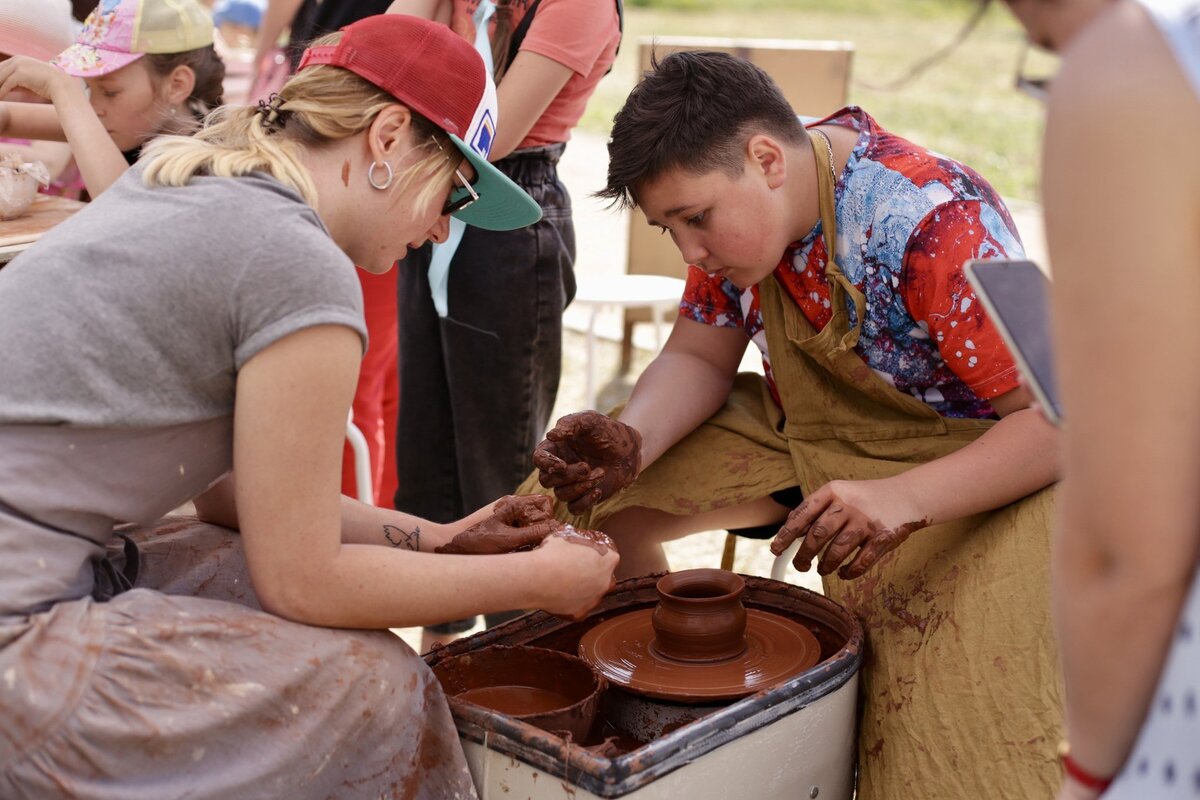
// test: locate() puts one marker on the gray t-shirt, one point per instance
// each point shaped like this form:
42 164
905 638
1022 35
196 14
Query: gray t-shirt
140 309
121 334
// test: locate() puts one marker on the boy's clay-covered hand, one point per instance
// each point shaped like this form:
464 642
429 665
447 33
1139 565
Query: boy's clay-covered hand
579 571
588 457
516 523
871 517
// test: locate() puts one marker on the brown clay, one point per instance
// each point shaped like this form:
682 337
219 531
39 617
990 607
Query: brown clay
555 691
517 523
517 700
641 651
597 540
700 616
523 510
776 649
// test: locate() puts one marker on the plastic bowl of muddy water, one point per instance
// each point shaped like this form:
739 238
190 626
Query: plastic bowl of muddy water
549 689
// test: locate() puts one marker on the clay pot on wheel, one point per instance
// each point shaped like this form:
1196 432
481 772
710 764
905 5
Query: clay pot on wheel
550 689
700 617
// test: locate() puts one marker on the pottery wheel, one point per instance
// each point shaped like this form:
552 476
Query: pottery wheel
776 649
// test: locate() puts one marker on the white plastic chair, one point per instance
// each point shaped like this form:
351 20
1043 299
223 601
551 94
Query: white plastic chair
783 561
362 461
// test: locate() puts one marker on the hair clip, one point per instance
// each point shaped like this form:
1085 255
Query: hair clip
273 118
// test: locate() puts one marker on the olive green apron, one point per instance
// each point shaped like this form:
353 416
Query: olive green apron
961 695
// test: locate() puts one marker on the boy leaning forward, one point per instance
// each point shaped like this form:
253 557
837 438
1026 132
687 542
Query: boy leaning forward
889 435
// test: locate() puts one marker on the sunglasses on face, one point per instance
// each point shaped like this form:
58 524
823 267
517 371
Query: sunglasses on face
461 196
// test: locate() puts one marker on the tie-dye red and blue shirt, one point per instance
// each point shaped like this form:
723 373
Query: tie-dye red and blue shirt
908 219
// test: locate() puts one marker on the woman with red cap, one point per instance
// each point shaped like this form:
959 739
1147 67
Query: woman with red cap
188 659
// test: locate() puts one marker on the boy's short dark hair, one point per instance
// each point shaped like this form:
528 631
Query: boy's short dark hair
693 109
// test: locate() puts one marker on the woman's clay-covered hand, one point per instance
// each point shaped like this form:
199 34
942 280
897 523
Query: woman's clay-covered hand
516 523
578 570
842 517
588 457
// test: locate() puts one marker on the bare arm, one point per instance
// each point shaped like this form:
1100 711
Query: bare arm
851 524
1012 459
55 155
275 20
425 9
289 427
1123 219
684 385
529 86
361 523
30 121
587 457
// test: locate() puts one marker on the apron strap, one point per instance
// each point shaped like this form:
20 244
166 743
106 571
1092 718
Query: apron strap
840 287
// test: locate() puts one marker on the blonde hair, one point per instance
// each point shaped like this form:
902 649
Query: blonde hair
319 105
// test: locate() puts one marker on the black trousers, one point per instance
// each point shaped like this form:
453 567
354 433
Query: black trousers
477 387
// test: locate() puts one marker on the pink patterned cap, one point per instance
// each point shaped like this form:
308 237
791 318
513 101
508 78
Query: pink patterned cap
120 32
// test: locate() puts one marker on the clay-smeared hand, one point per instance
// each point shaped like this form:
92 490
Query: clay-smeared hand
844 516
517 523
577 570
588 457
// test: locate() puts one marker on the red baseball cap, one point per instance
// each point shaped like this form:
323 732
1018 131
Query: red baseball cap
437 73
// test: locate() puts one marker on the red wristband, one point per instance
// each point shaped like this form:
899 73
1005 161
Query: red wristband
1082 776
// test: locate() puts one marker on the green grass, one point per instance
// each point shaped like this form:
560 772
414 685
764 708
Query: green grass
964 107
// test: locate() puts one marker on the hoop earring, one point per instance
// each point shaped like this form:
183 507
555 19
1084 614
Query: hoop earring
371 175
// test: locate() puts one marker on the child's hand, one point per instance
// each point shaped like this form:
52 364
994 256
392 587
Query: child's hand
844 516
39 77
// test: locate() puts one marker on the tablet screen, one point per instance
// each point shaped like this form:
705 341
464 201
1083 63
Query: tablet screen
1016 295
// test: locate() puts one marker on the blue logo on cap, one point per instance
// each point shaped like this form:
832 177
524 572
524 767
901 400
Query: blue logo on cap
481 142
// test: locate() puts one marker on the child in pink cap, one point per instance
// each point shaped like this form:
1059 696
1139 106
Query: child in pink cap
149 67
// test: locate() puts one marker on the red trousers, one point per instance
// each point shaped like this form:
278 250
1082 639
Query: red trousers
378 397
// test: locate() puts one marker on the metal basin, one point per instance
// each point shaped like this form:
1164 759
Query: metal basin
794 739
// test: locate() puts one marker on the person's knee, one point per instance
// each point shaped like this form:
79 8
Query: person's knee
632 527
387 678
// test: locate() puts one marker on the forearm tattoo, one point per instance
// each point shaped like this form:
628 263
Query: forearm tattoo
398 537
